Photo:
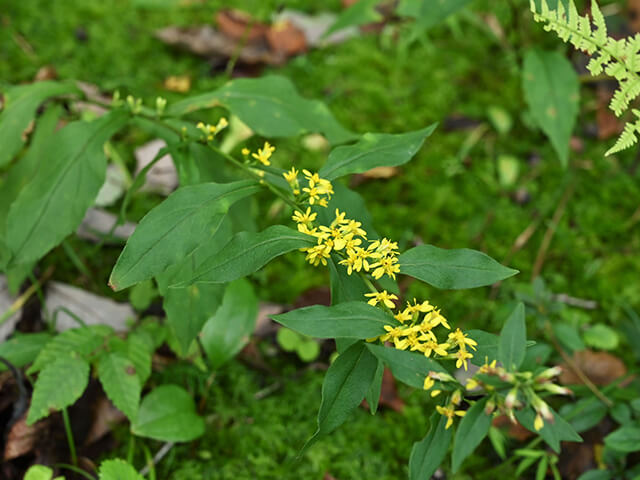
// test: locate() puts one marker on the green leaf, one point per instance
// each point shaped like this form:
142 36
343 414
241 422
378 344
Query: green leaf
408 367
552 432
175 228
373 395
54 202
429 12
38 472
168 414
270 106
229 329
345 320
24 169
308 350
248 252
625 439
584 414
602 337
452 269
374 150
344 287
121 383
487 349
552 91
360 13
428 454
20 105
352 204
288 339
117 469
142 294
596 475
23 349
473 427
568 336
346 383
76 341
513 340
59 385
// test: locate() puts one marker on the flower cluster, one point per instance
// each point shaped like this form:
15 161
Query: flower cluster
263 155
210 131
521 385
416 332
317 192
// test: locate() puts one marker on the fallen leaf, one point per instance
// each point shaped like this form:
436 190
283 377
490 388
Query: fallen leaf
315 26
285 38
22 439
178 83
162 177
105 416
46 72
633 6
234 24
601 368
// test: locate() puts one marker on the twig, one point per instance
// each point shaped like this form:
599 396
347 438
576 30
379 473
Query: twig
265 392
551 230
575 302
576 369
157 457
22 299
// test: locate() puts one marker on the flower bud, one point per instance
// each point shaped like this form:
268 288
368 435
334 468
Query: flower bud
512 398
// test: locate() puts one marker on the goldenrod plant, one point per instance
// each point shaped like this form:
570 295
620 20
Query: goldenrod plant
617 58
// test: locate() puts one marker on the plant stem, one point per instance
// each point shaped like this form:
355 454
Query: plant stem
70 442
22 299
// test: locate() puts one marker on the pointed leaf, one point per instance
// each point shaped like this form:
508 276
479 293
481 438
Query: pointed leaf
120 382
168 414
452 269
408 367
248 252
487 349
23 349
428 454
513 340
175 228
54 202
373 395
552 91
374 150
473 427
270 106
59 385
229 329
345 320
625 439
20 105
344 287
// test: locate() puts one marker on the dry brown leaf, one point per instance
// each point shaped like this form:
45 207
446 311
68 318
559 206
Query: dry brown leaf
22 439
46 72
234 24
284 37
601 368
634 14
608 124
105 416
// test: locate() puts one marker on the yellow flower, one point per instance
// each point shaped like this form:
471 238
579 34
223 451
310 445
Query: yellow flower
388 266
311 177
305 218
431 346
428 383
456 398
246 151
264 154
449 412
353 227
472 384
383 297
403 316
488 367
459 338
434 318
222 123
538 423
423 307
462 357
291 175
435 393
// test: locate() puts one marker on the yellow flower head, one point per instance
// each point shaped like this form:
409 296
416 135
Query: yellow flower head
461 339
449 412
246 151
306 217
264 154
428 383
383 297
462 357
291 176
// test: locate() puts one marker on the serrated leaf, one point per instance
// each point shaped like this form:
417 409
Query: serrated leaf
23 349
452 269
54 202
76 341
117 469
552 91
344 320
345 385
228 330
59 385
473 427
175 228
120 382
374 150
20 105
408 367
270 106
625 439
428 454
168 414
513 340
248 252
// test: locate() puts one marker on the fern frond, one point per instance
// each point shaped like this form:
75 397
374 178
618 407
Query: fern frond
619 59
